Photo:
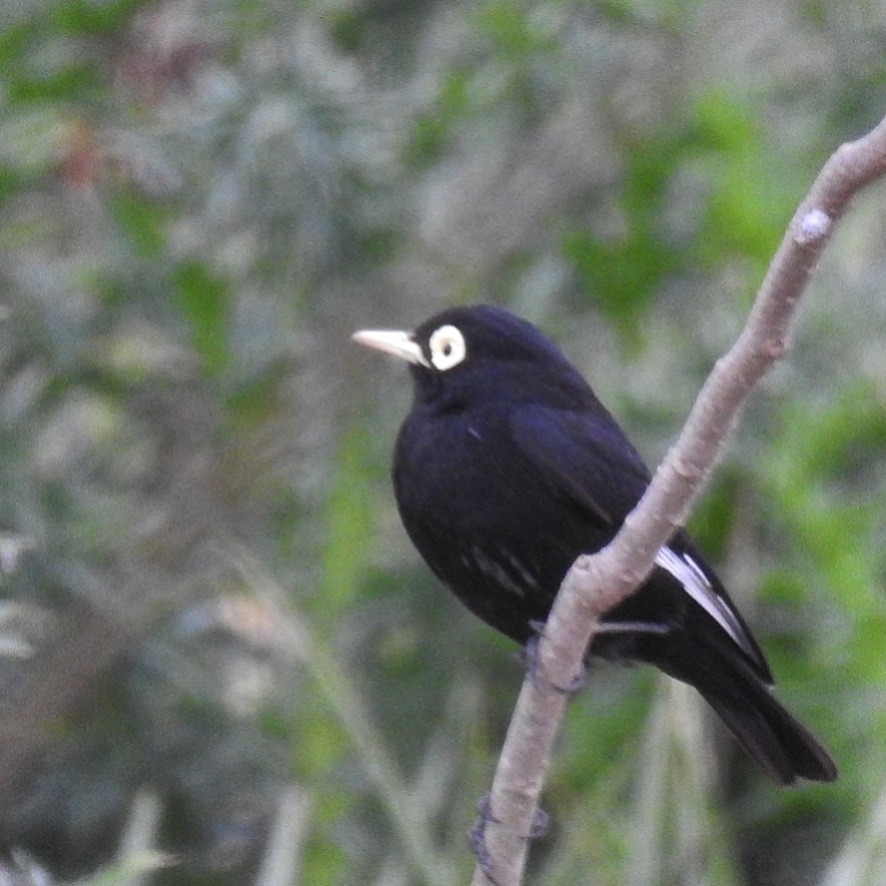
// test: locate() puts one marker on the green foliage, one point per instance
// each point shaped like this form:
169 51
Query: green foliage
203 300
143 225
350 512
511 30
623 274
748 200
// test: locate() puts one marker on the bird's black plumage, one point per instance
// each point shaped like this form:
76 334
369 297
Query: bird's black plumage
508 467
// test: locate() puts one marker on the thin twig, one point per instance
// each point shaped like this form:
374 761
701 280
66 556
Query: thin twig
597 583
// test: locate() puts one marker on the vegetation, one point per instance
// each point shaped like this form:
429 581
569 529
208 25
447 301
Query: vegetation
222 662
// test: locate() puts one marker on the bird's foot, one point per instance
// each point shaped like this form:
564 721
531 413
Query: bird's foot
477 834
631 627
530 654
477 837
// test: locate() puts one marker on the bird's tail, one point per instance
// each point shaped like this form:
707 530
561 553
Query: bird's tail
783 747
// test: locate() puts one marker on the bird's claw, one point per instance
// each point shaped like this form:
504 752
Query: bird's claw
477 838
477 834
541 821
530 653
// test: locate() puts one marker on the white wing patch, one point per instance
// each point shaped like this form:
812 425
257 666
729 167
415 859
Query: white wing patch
507 570
697 585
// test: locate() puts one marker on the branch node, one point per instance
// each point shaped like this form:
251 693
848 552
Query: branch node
774 346
814 225
687 469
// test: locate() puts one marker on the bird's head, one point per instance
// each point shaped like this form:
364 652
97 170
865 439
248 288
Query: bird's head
463 354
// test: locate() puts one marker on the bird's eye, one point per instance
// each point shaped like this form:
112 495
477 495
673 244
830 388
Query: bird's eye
447 347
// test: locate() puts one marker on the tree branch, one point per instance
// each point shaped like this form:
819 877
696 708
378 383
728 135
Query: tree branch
597 583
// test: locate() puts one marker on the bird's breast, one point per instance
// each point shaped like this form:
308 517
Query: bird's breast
465 497
461 471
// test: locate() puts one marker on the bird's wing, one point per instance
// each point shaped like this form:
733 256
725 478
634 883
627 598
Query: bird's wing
589 458
585 455
684 563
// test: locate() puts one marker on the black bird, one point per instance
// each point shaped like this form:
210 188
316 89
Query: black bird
508 468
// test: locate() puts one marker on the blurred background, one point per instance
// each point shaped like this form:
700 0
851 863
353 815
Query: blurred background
221 662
